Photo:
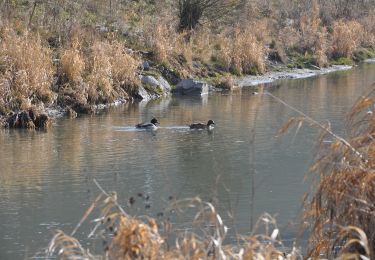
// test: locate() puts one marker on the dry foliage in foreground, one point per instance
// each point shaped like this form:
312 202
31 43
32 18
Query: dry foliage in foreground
341 208
126 237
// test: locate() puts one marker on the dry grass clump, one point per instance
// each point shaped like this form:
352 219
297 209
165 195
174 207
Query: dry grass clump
289 37
99 71
369 30
310 26
95 70
169 47
184 49
126 237
342 207
321 48
314 37
161 42
307 36
242 53
72 64
346 37
26 70
110 66
227 83
203 45
135 239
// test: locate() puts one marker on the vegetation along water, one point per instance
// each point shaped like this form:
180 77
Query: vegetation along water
181 62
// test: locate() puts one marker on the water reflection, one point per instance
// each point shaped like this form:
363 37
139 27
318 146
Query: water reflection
46 177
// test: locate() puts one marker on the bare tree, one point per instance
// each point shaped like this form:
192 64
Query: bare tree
193 12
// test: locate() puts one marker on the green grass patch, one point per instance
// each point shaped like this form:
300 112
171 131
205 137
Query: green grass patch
363 54
152 88
342 61
300 61
152 73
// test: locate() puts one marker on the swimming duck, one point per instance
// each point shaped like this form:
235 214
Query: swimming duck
209 126
151 125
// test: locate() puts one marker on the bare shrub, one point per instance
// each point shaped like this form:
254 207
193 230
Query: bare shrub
346 37
192 12
26 68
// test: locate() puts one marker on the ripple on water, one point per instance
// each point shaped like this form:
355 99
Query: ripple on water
46 177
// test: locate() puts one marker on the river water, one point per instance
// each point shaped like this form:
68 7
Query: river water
46 178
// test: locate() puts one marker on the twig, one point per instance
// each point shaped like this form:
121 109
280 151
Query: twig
114 201
316 123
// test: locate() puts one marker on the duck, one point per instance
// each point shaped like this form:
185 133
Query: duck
151 125
209 126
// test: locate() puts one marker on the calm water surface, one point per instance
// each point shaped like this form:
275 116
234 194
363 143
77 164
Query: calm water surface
46 177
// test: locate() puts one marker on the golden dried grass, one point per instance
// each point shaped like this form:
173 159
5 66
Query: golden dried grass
127 237
369 30
95 70
72 65
99 71
26 69
341 208
346 37
161 41
242 53
202 45
320 49
289 38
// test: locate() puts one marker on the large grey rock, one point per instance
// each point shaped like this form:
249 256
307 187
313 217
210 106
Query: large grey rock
190 86
141 93
164 85
160 85
150 80
146 65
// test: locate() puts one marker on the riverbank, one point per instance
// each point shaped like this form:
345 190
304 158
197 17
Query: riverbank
78 57
61 162
349 232
270 77
154 86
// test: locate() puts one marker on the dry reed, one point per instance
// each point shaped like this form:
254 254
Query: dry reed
97 71
346 37
242 53
26 70
126 237
340 208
